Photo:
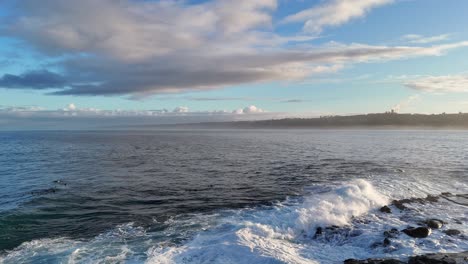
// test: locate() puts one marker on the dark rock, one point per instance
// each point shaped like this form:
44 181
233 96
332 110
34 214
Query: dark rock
373 261
318 232
393 233
453 232
386 209
400 204
386 242
432 199
442 258
335 233
439 258
418 232
435 223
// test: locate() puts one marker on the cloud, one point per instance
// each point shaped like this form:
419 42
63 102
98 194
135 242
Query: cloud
70 107
220 98
406 103
173 74
440 84
294 101
333 13
252 109
181 109
41 79
74 117
419 39
142 48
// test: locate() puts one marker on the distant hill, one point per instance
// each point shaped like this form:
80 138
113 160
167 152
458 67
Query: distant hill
368 120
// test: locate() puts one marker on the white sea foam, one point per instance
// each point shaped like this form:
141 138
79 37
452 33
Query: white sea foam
283 233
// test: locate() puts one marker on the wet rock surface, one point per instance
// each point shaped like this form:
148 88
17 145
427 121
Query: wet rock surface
442 258
373 261
401 204
386 209
418 232
438 258
452 232
435 223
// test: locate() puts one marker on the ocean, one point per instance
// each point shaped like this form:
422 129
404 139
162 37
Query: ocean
229 196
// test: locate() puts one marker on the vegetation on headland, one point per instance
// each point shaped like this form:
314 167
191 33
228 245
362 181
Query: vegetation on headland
389 119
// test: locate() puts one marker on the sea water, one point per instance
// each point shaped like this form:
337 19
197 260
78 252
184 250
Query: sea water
227 196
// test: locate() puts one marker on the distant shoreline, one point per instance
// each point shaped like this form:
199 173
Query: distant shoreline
367 121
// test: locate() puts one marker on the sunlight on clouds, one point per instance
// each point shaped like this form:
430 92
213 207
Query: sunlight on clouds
142 48
440 84
333 13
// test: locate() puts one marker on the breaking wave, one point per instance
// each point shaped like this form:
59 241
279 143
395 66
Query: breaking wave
332 223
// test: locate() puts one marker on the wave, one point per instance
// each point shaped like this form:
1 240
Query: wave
332 223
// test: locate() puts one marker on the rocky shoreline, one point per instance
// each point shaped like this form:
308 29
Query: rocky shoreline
437 258
423 229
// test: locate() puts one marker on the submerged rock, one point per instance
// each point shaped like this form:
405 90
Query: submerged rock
400 204
452 232
392 233
434 223
335 233
386 242
318 232
418 232
386 209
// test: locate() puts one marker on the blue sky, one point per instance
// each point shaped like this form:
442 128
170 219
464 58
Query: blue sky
220 55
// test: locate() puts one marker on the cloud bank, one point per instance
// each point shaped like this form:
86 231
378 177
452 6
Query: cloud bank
141 48
74 117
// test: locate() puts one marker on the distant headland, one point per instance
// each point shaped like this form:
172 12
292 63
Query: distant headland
375 120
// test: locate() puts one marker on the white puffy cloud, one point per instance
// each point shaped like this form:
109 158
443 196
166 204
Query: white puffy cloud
32 117
440 84
181 109
252 109
70 107
334 13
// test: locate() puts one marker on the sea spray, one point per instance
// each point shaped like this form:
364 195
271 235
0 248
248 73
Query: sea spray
338 207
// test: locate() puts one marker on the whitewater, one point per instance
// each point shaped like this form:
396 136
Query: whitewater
328 221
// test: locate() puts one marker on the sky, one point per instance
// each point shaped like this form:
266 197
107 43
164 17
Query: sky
173 61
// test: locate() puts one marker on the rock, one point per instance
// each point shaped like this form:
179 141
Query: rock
393 233
453 232
318 232
439 258
373 261
442 258
399 204
386 242
432 199
434 223
386 209
419 232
